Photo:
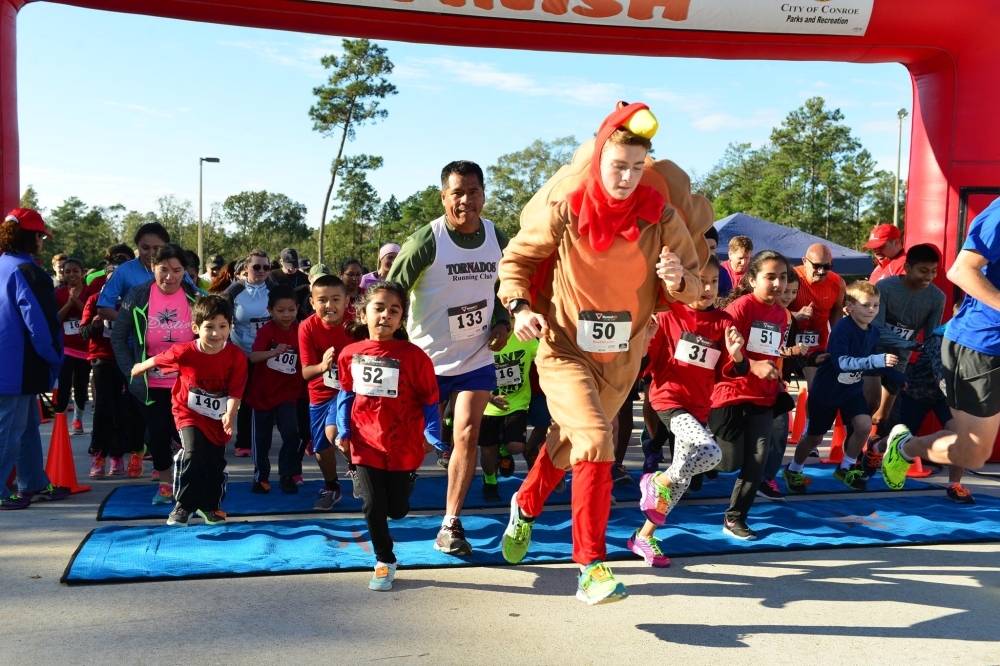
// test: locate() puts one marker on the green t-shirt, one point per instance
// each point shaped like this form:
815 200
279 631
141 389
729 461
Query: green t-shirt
512 364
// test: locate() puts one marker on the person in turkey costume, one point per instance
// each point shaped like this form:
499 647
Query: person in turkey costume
608 241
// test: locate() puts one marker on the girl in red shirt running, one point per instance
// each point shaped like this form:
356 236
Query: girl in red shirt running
686 357
743 407
387 408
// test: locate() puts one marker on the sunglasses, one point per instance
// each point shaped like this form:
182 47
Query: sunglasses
260 267
821 267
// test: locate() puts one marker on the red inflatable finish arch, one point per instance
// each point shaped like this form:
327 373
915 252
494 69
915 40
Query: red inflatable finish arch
949 49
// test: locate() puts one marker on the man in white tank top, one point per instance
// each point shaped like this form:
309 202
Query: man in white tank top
450 269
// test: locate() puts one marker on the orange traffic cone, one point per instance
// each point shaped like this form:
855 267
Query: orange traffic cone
837 446
59 465
799 420
917 471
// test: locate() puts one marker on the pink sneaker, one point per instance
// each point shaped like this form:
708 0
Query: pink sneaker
242 453
117 466
655 499
299 481
97 469
648 548
77 426
155 476
134 470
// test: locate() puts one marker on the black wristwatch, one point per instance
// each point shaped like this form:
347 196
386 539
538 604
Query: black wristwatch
514 303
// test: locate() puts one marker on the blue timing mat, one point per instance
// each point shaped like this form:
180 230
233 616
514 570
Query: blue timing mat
134 502
145 553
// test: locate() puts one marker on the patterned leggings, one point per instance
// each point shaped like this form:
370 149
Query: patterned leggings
695 452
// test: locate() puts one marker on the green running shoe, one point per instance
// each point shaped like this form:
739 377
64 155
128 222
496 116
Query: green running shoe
517 537
894 466
597 585
852 478
795 481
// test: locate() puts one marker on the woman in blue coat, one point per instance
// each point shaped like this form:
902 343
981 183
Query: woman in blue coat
31 354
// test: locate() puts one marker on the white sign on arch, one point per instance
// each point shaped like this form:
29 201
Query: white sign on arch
803 17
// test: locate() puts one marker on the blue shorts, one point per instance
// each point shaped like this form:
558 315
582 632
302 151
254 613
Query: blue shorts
538 411
482 379
317 424
822 416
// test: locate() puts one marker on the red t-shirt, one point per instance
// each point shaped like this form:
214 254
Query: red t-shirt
99 345
733 275
278 379
73 343
686 360
824 296
203 384
387 425
315 338
892 267
763 327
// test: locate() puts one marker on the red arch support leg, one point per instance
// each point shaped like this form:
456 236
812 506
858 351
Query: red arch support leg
10 177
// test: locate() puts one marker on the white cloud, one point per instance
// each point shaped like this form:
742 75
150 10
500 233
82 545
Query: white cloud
488 75
302 56
724 121
140 108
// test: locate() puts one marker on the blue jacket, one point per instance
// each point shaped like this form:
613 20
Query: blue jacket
31 345
851 350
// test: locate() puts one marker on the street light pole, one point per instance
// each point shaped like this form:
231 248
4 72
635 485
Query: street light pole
901 114
201 162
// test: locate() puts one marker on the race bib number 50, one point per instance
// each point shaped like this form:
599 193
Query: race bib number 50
375 376
696 350
468 321
603 332
207 403
764 338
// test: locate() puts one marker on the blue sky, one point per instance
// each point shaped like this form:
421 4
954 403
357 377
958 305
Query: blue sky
116 108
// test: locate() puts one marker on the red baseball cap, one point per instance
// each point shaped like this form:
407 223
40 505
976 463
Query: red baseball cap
29 219
881 235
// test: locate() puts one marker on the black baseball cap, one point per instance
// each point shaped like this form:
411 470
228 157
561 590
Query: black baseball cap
289 257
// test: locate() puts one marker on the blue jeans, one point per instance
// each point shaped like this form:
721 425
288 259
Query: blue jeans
20 443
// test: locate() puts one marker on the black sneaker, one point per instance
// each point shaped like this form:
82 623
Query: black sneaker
491 492
288 485
870 460
796 481
561 486
352 474
852 478
696 482
213 516
443 458
620 475
768 489
814 453
738 529
451 540
506 466
413 482
958 494
49 493
261 487
327 498
178 517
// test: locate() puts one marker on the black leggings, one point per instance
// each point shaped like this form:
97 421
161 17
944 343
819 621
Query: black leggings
387 495
199 472
244 417
159 421
110 430
75 377
743 432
